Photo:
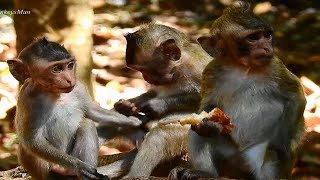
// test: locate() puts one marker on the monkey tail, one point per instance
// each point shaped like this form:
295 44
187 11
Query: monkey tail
119 168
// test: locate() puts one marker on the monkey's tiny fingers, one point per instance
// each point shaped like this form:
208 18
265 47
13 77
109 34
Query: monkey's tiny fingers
126 107
207 128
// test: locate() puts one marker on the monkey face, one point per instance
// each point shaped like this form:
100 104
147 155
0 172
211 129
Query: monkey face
56 76
157 73
156 63
156 79
255 49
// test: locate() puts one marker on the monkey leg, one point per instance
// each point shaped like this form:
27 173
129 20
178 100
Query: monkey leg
262 161
275 166
202 155
119 168
86 143
161 143
85 147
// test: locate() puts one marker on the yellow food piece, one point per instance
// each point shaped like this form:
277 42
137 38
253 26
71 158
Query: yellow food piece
194 118
216 116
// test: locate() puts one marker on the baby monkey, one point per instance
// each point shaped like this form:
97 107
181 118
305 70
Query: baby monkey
172 64
56 140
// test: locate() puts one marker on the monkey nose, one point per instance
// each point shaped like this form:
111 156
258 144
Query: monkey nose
268 51
71 83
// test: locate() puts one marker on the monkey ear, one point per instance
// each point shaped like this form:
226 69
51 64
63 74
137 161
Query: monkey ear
208 43
18 69
170 50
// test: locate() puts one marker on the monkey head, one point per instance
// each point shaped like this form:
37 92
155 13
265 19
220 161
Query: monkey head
153 54
47 64
240 37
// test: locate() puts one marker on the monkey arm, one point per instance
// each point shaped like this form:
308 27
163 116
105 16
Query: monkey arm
207 85
290 135
110 117
96 113
143 97
185 101
38 145
131 107
291 127
291 122
159 106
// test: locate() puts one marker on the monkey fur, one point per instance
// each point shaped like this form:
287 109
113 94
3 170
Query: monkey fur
173 64
57 139
264 100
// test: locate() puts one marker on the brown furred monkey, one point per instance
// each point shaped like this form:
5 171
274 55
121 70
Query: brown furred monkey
173 64
54 133
264 100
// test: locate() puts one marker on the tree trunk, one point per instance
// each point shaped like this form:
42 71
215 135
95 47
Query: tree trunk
68 22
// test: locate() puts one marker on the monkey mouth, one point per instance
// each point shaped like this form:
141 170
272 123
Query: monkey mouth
67 89
263 58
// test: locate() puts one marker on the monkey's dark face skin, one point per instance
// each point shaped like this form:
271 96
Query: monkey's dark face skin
255 48
156 60
157 73
56 76
155 68
159 79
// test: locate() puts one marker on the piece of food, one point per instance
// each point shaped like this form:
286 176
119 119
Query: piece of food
194 118
216 115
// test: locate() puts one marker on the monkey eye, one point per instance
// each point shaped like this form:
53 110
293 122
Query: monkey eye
268 34
253 37
71 65
57 68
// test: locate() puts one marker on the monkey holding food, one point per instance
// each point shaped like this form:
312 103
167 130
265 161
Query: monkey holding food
264 100
56 136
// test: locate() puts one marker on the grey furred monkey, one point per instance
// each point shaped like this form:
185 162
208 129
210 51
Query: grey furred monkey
57 139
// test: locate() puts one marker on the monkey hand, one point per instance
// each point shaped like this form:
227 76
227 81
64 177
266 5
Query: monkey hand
154 108
91 172
207 128
126 107
187 174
